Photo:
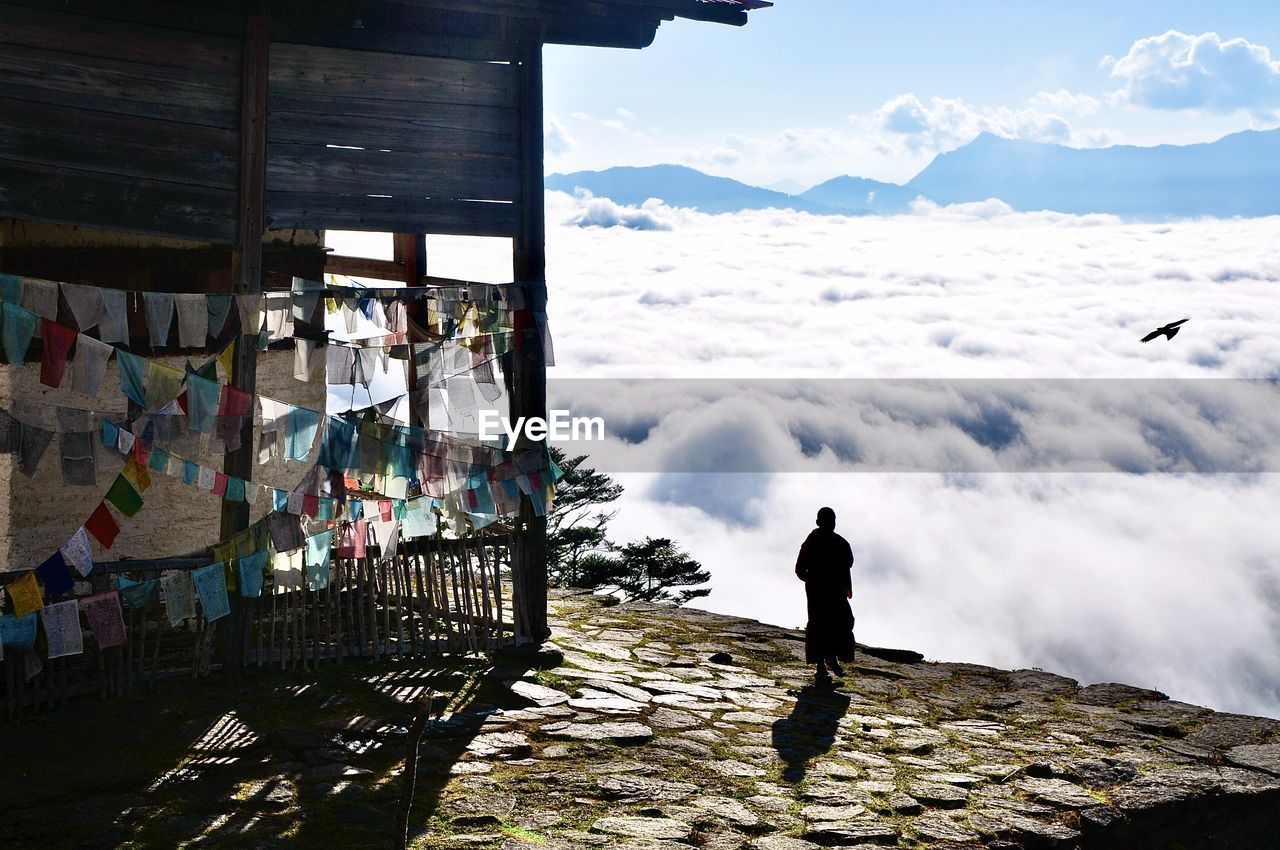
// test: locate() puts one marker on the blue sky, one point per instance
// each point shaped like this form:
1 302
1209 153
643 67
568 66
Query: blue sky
815 88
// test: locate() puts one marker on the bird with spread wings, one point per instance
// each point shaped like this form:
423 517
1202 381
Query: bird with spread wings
1168 331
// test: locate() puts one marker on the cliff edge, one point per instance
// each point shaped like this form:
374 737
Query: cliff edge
650 727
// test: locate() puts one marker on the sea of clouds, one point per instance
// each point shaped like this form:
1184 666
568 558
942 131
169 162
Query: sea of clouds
1136 539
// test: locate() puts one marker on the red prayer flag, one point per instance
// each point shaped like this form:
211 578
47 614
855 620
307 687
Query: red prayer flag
352 542
235 402
53 357
310 505
384 509
103 526
219 484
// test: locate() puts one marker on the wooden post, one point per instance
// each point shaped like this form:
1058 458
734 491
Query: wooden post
529 379
247 274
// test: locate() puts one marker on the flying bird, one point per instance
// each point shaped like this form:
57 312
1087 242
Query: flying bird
1170 330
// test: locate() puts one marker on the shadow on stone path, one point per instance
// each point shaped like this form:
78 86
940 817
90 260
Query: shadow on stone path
809 730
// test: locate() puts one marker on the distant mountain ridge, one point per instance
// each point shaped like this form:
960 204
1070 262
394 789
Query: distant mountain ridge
681 186
1237 175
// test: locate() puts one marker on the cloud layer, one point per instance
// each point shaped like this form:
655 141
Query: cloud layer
1171 581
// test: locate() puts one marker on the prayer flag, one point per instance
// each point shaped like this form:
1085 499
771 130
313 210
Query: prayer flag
31 447
85 303
90 365
11 288
76 551
163 384
54 576
25 595
133 376
18 632
300 432
40 297
179 596
252 570
114 326
159 316
217 307
126 499
53 356
19 328
103 526
136 593
62 629
202 403
106 620
319 551
136 472
193 320
211 586
354 536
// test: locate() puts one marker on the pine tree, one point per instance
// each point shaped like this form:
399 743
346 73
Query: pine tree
575 526
580 554
651 570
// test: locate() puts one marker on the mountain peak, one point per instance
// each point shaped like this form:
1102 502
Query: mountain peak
1236 175
680 186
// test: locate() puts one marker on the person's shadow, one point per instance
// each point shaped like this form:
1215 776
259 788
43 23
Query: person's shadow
810 729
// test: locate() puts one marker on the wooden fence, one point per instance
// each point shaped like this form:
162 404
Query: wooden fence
433 596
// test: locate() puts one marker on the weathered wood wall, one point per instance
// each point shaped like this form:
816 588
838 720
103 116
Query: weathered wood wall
118 125
376 141
127 125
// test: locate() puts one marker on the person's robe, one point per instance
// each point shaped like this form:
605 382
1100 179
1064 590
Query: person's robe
824 565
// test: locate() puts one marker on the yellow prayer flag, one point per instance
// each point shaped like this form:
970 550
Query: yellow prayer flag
139 476
227 359
25 593
225 551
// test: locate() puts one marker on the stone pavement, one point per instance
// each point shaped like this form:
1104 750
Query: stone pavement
644 728
632 737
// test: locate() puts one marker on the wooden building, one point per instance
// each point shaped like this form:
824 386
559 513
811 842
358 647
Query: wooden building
205 146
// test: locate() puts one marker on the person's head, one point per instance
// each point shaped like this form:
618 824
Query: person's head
826 519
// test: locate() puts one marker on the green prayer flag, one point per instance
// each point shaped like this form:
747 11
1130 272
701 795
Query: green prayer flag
124 497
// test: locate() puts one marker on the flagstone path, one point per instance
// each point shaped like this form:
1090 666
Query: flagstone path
638 740
644 727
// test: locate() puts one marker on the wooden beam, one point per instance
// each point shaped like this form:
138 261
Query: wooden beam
407 41
398 214
529 371
248 279
83 198
389 270
373 123
331 170
125 145
410 252
328 72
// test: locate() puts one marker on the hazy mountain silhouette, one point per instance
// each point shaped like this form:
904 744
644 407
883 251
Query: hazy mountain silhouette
680 186
860 194
1236 175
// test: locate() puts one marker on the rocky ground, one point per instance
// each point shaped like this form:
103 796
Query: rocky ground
645 728
664 728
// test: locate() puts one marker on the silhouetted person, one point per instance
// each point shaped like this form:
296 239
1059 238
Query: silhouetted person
1169 331
823 565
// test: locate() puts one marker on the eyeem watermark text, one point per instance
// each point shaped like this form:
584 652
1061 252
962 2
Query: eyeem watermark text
560 426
